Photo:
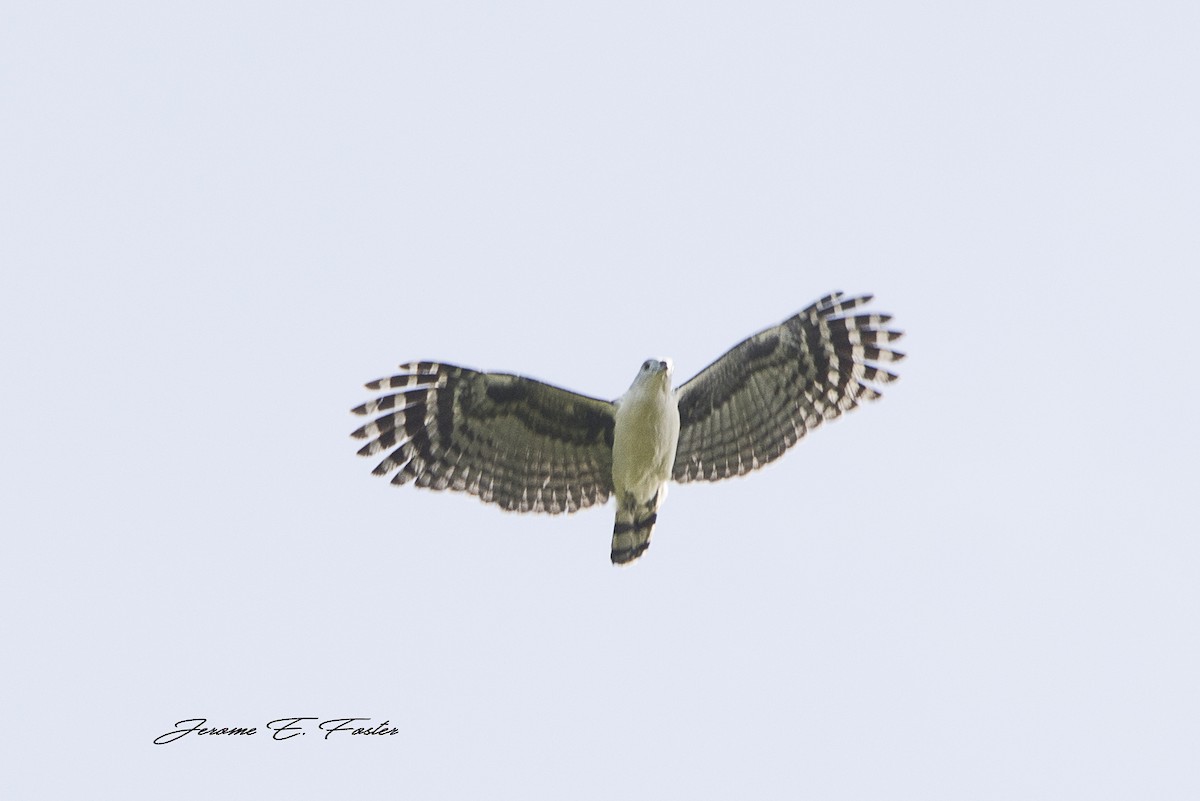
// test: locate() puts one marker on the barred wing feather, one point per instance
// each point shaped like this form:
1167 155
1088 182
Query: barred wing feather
510 440
752 404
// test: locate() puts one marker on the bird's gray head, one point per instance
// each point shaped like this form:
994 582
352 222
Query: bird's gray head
655 369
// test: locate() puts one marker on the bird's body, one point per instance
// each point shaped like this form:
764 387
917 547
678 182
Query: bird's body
532 447
645 437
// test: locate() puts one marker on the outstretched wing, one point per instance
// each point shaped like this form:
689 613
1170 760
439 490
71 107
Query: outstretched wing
752 404
513 441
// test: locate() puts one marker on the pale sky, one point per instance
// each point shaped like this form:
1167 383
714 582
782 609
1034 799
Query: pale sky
220 219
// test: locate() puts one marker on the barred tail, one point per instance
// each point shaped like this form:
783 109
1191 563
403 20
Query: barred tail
631 532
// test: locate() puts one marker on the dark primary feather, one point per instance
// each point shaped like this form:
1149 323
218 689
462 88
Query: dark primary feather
513 441
752 404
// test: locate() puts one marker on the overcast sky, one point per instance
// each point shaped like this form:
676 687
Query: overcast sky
219 219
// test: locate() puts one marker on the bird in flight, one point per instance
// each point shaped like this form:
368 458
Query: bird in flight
532 447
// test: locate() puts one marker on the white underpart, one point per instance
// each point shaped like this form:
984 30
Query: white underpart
645 436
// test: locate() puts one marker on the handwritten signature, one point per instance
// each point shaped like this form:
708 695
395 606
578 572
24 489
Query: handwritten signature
281 728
